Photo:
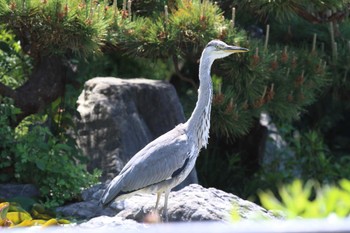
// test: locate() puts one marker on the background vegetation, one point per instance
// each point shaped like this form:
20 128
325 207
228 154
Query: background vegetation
297 72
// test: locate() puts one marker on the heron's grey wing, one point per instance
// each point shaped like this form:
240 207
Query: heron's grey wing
154 163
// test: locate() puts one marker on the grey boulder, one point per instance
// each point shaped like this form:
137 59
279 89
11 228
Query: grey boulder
18 190
192 203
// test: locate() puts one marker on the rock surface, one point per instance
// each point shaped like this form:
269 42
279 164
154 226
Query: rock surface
118 117
109 222
192 203
18 190
277 154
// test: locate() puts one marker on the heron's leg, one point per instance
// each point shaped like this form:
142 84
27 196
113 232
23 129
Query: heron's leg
158 198
165 210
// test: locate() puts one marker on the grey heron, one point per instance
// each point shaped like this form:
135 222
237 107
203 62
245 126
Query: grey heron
165 162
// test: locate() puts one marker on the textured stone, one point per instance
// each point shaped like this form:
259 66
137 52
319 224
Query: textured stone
277 154
85 210
111 222
18 190
192 203
118 117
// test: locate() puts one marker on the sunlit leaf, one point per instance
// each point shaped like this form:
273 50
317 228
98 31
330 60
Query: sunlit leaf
270 202
18 217
296 200
4 207
50 222
345 184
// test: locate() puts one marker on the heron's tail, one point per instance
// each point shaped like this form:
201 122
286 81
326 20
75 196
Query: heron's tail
112 191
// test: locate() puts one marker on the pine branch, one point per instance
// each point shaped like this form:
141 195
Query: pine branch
314 11
53 27
320 17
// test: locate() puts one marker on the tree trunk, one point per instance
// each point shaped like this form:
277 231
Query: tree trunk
44 85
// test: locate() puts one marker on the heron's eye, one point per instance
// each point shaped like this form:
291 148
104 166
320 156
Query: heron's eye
218 47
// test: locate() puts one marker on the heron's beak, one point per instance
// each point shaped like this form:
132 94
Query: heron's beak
235 49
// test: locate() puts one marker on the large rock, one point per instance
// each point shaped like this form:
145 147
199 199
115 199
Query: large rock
18 190
113 223
118 117
89 207
192 203
278 156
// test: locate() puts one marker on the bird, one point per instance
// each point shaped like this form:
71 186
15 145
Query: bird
167 161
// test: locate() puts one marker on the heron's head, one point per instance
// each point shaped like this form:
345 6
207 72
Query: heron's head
216 49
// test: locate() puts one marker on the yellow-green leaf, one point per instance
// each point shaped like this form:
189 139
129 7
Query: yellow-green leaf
50 222
63 221
4 207
18 217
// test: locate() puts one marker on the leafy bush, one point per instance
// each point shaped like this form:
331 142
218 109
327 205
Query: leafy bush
52 166
10 57
7 150
35 155
305 157
309 200
316 161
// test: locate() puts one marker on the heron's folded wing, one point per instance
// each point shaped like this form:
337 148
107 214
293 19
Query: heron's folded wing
156 162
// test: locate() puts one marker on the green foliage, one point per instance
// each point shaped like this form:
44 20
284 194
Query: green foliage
117 65
277 81
52 166
194 21
309 200
313 158
10 58
305 156
223 173
186 30
32 154
7 112
285 10
55 27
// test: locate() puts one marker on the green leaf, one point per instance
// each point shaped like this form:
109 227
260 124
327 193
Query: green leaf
269 201
64 147
40 164
4 207
5 47
345 184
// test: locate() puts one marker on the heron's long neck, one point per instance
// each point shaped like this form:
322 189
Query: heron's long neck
199 122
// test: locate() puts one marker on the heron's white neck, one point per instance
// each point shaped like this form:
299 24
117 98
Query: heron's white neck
199 122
